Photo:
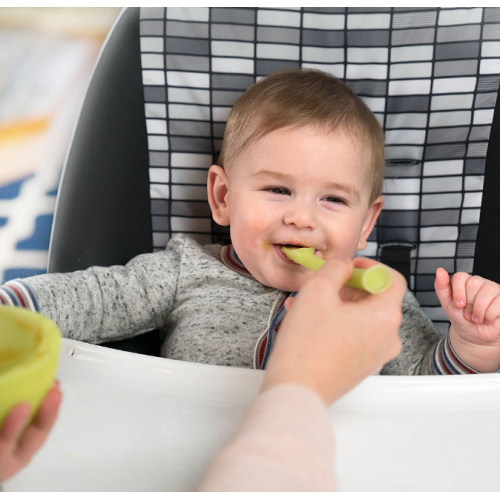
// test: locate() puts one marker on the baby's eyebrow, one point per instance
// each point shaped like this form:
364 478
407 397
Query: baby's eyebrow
346 188
275 175
284 177
271 175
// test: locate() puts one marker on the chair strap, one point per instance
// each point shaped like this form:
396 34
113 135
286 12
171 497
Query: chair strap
397 256
486 262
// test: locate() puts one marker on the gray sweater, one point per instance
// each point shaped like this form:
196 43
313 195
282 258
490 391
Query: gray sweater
207 312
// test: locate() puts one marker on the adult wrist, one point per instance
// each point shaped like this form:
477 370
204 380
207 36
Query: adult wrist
281 377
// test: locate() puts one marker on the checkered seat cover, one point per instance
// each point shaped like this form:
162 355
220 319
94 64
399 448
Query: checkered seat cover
155 112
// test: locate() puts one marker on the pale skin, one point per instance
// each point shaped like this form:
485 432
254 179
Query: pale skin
472 304
295 186
19 442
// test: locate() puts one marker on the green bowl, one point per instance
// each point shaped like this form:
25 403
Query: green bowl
29 351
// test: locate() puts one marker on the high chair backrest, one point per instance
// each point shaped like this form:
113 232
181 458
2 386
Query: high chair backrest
154 118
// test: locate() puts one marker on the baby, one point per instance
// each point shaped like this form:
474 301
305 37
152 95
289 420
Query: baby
301 164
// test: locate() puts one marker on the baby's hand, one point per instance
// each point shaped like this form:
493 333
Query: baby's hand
472 305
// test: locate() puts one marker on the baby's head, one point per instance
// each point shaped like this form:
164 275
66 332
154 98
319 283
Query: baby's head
299 98
302 164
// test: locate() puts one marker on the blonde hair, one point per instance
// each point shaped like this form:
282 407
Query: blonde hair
300 97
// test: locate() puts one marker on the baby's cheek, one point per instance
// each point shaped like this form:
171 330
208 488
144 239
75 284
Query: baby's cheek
255 230
252 229
245 243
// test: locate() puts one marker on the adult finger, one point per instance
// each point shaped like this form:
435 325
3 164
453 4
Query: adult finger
288 303
364 262
394 294
329 279
10 433
36 434
386 308
397 278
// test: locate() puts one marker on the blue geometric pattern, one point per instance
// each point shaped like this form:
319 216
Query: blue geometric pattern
40 238
26 216
11 191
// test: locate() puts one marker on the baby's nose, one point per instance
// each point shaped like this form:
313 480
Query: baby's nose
301 217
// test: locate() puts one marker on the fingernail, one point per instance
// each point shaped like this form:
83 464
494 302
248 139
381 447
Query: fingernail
475 319
460 303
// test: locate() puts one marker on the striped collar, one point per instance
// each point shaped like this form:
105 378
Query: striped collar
265 342
231 260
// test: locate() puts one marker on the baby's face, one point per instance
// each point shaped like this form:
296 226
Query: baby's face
298 187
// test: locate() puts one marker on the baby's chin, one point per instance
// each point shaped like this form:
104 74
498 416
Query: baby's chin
276 277
287 284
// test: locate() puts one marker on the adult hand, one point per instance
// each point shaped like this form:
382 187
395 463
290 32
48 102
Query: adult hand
332 338
18 443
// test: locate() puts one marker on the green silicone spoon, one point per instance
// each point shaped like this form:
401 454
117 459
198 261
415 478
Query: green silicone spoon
375 279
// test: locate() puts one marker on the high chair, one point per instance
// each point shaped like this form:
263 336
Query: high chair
154 116
152 124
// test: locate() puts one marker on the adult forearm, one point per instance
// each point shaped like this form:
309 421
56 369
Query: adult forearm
285 443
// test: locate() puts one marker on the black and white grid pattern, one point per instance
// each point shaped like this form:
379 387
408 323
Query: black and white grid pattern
431 76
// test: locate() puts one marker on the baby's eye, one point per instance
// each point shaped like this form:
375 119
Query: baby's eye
279 190
334 199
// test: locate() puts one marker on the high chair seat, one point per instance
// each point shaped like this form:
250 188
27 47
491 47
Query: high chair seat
155 112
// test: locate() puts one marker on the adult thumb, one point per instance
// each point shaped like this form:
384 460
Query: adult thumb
336 271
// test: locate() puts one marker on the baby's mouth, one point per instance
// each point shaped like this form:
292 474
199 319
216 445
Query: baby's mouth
317 253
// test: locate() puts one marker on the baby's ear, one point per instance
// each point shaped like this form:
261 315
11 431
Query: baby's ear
370 219
218 189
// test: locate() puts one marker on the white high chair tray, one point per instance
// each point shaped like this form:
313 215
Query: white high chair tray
130 422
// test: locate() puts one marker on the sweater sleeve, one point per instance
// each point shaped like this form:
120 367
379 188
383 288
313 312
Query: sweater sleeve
285 443
447 362
425 351
104 303
419 338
